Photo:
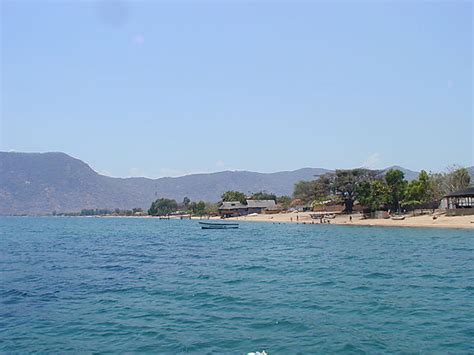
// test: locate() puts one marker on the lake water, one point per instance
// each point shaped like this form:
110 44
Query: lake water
148 285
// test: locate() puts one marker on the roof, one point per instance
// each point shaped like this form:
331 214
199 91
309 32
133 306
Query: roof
268 204
468 192
232 205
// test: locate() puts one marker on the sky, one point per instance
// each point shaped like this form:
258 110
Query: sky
170 88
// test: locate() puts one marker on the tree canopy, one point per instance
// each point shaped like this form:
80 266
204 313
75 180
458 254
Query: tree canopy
263 195
396 185
347 182
163 206
234 196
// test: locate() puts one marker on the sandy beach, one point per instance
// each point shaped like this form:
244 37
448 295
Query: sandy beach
464 222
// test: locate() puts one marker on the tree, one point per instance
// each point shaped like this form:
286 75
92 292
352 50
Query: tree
418 191
262 195
200 208
315 190
305 190
396 184
437 187
347 182
229 196
373 194
441 184
457 179
163 206
186 202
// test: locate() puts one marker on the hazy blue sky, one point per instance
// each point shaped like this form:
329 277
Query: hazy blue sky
168 88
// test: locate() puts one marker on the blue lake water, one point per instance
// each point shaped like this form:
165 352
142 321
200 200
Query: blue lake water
148 285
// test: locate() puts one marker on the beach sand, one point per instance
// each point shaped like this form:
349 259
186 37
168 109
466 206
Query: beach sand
465 222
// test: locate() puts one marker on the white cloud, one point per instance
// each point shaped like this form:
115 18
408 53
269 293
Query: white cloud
373 161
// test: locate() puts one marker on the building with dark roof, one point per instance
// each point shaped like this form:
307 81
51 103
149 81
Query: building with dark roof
236 208
460 203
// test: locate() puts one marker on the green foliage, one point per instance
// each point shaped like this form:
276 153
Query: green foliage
229 196
262 195
419 191
304 190
373 194
309 191
430 189
347 182
105 212
396 183
197 208
163 206
342 185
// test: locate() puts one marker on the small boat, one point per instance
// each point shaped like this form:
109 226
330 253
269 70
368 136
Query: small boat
398 218
218 225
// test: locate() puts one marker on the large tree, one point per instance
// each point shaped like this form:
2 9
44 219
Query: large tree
396 184
305 190
373 194
346 183
457 179
442 184
163 206
315 190
419 192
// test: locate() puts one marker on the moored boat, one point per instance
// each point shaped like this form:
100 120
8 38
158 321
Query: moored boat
218 225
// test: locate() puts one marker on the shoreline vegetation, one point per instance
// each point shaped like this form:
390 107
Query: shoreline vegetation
355 197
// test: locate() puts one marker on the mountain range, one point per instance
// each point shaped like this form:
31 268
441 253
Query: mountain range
40 183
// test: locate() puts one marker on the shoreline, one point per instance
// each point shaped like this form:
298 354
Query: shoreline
425 221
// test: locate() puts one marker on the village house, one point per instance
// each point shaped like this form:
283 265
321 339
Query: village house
460 203
236 208
232 209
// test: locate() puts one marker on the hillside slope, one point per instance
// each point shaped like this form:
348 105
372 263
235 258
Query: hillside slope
39 183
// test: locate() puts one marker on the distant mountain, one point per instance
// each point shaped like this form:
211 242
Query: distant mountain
40 183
